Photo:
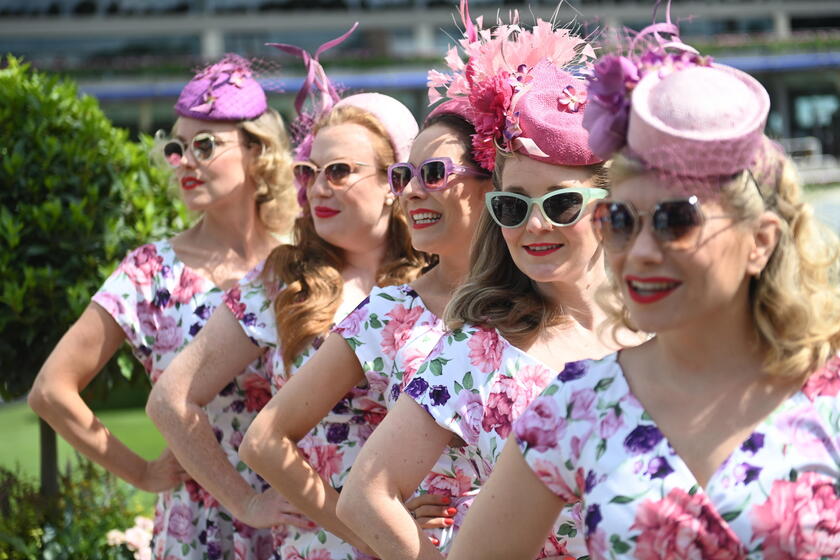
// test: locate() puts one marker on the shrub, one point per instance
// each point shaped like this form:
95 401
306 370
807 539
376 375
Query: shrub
75 195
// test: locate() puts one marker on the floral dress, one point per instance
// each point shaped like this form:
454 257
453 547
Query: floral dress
392 332
475 384
776 497
161 304
332 446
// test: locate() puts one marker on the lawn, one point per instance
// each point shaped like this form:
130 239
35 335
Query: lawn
19 438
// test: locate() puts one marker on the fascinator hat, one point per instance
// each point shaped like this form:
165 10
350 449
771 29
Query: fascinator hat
323 96
522 89
675 111
224 91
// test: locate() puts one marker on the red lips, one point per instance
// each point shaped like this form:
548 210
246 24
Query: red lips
422 218
651 289
541 249
189 183
325 211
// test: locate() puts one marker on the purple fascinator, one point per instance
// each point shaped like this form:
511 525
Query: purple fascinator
224 91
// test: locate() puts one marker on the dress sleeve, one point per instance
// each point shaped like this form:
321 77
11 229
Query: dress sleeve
128 289
252 303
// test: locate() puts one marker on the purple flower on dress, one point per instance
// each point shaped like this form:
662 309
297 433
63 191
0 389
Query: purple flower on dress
161 298
337 433
395 392
341 406
416 388
249 320
658 467
214 551
642 439
593 518
180 523
591 481
572 371
439 395
746 473
203 311
753 443
237 405
194 328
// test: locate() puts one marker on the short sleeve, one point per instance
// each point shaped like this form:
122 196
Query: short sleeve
252 303
128 289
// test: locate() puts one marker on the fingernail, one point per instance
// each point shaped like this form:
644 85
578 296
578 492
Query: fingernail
448 521
435 541
451 511
446 500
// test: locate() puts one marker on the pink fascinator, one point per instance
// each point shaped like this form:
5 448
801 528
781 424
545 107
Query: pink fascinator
224 91
674 110
522 89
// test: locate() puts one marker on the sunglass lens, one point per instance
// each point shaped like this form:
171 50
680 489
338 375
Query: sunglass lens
338 172
563 208
509 211
615 223
173 152
304 175
202 147
399 178
434 174
677 223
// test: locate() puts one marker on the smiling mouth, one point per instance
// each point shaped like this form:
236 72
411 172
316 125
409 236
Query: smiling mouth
189 183
422 220
542 249
649 290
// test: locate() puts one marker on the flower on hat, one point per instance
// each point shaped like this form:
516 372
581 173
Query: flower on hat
571 100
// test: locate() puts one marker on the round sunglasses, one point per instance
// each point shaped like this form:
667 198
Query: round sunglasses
433 174
203 148
336 172
562 208
676 224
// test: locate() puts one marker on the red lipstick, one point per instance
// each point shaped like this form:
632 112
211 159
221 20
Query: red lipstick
423 218
541 249
325 211
189 183
650 289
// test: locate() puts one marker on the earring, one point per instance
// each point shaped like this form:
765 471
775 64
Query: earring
389 200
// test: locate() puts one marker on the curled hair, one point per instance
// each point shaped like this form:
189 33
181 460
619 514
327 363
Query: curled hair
309 270
272 171
795 301
496 294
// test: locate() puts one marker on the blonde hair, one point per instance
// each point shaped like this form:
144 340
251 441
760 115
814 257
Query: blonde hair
309 271
496 294
795 301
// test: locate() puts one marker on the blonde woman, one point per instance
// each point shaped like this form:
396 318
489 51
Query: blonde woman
718 437
232 163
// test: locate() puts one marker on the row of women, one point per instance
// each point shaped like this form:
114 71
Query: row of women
584 302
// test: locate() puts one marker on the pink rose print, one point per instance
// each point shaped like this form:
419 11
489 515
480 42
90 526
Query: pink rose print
257 392
265 546
240 550
682 525
610 424
825 382
180 523
188 286
199 494
470 411
550 475
325 458
292 553
531 380
319 554
453 486
541 425
499 413
553 548
582 403
398 330
800 520
486 350
377 382
142 265
169 336
351 324
147 315
111 303
805 430
413 359
232 299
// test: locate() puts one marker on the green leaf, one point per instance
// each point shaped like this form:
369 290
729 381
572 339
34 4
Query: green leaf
459 335
386 296
458 387
618 545
374 322
322 536
731 515
604 383
378 364
621 499
550 390
468 380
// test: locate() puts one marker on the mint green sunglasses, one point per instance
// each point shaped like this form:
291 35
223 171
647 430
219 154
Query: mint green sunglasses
563 207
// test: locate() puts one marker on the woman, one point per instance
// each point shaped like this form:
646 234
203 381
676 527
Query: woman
718 437
441 189
349 238
231 158
526 307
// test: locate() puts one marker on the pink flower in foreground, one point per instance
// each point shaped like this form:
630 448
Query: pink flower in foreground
825 382
486 349
398 330
142 265
541 425
188 286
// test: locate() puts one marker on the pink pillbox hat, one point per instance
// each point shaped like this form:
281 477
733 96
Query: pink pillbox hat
224 91
392 114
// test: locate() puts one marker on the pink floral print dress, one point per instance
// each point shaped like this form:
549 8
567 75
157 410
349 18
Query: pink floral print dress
334 443
776 497
475 384
161 304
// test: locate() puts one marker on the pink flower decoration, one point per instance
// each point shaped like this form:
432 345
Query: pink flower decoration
571 100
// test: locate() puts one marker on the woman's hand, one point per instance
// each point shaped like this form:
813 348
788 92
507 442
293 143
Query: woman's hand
163 473
267 509
431 511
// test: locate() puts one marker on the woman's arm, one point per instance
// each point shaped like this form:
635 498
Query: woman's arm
77 358
219 353
512 515
393 462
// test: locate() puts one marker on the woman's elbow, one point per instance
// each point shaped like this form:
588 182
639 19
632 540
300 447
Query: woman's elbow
249 449
159 406
353 505
39 398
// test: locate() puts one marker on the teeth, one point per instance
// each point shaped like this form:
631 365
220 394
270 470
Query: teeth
544 247
652 286
425 218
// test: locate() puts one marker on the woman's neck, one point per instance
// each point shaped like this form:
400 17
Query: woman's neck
577 298
361 267
233 228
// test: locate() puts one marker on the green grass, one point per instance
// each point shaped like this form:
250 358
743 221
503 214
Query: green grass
19 439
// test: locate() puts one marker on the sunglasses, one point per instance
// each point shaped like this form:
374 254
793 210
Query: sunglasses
676 224
336 172
203 147
433 174
563 207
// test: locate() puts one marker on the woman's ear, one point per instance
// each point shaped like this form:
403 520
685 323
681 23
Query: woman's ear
765 238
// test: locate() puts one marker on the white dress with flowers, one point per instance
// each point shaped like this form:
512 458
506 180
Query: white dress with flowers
776 497
332 446
161 304
475 384
392 332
